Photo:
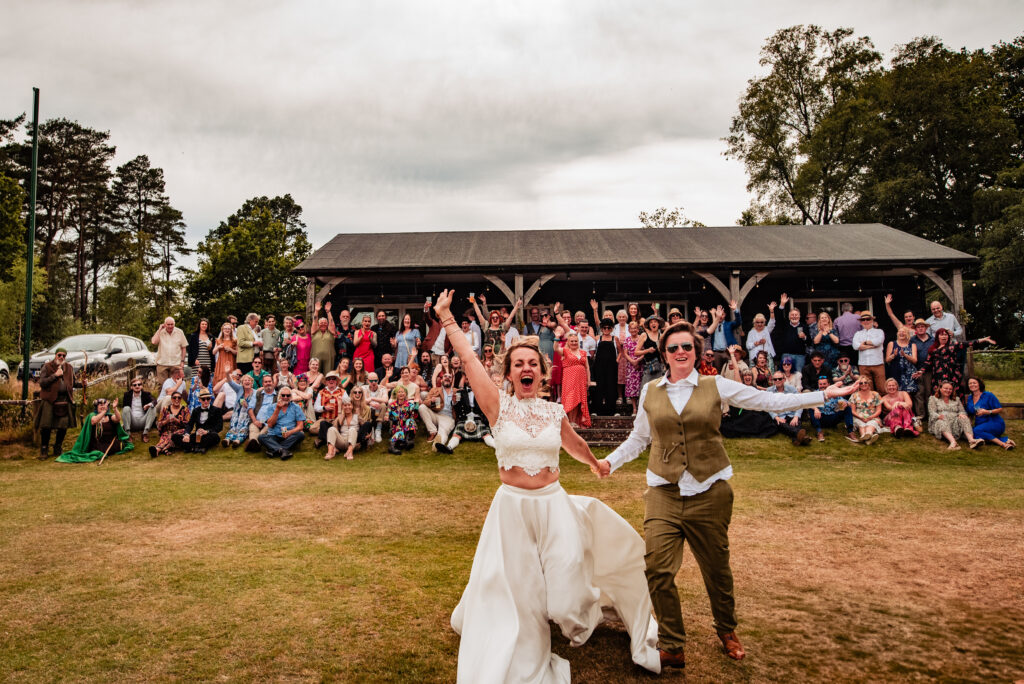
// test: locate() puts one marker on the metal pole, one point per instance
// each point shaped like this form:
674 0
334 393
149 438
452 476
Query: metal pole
31 243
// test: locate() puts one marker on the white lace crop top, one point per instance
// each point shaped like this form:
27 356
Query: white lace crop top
528 434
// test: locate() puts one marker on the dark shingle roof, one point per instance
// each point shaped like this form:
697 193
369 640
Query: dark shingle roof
870 244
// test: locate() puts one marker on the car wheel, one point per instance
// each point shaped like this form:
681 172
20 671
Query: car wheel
5 376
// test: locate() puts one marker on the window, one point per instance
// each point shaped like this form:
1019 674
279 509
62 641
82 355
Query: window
829 305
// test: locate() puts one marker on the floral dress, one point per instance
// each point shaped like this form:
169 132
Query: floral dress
902 369
238 430
193 394
403 421
169 425
946 365
864 408
633 373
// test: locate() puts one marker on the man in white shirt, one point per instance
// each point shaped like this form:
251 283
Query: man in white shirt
472 333
175 383
944 320
689 498
587 341
171 349
869 342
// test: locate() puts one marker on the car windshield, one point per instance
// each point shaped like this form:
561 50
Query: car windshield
86 343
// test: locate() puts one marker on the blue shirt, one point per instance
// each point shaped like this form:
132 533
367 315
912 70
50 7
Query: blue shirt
287 419
788 415
267 407
830 407
724 335
922 348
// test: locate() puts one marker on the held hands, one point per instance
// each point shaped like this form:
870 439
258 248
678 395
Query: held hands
602 469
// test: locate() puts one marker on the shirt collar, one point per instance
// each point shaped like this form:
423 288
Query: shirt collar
691 379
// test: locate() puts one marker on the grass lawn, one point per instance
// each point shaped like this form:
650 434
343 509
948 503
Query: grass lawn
1006 390
897 562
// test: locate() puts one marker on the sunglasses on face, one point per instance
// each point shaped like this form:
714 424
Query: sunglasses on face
286 396
685 346
136 385
779 379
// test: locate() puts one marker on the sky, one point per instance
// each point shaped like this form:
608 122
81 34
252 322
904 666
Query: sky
392 116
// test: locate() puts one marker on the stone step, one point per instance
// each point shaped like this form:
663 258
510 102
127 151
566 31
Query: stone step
618 422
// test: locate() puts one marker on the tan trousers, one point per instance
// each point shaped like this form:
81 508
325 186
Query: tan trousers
877 375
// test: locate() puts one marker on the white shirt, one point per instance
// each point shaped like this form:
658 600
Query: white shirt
948 322
137 413
679 392
511 336
754 336
874 356
438 348
589 345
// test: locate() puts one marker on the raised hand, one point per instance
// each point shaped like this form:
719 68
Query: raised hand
327 307
732 305
316 306
772 305
593 304
444 303
888 299
783 298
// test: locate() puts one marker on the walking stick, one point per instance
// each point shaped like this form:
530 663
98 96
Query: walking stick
109 447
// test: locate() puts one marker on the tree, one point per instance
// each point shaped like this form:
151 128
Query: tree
662 217
282 208
804 131
248 268
1008 63
12 228
1001 212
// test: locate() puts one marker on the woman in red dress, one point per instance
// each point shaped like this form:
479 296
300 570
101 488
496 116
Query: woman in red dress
365 340
564 320
575 380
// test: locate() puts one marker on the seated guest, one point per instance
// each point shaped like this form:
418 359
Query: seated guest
985 407
443 366
387 374
101 435
845 372
437 411
225 392
458 375
284 376
794 378
900 407
363 412
427 366
760 338
304 397
743 423
835 411
416 379
327 407
204 426
789 421
358 372
761 370
867 407
259 412
815 370
734 368
402 418
203 380
314 375
139 412
238 428
947 418
377 399
174 383
284 427
412 388
173 420
257 371
707 363
470 422
344 373
343 433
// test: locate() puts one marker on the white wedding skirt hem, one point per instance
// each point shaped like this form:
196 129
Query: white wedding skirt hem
545 555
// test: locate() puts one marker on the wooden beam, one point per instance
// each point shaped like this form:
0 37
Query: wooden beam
750 285
502 287
539 283
943 286
734 292
518 296
310 300
958 293
715 283
328 286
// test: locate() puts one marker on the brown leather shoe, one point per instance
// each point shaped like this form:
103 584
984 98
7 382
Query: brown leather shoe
732 645
672 659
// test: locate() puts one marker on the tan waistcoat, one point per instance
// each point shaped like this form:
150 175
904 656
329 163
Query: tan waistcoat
687 441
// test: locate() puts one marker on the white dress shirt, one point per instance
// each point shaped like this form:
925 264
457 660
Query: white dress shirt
679 392
873 356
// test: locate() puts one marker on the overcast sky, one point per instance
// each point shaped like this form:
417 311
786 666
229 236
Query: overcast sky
397 116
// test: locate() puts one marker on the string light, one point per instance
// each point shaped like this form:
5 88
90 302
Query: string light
648 287
812 284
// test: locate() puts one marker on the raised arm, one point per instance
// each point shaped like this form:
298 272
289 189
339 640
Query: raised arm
888 309
484 390
480 317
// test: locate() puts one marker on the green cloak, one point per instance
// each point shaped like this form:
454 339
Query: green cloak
79 452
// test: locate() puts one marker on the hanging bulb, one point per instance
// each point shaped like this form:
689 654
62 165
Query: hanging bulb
648 288
593 288
812 286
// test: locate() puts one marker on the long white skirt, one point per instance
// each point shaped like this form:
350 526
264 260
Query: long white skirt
544 554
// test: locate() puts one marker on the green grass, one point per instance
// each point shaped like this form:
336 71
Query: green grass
1007 390
898 561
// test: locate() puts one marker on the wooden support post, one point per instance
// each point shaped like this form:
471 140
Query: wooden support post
310 301
734 291
518 282
958 293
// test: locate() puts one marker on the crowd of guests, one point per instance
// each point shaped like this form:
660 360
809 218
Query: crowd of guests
350 384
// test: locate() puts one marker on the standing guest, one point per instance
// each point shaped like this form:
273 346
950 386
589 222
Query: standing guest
204 425
364 341
922 341
303 342
944 360
620 332
901 355
826 339
248 342
588 343
200 346
327 406
832 413
101 435
707 362
287 340
343 433
427 369
406 380
575 380
943 320
257 372
171 349
172 421
908 315
635 372
473 336
233 320
139 412
435 339
869 342
57 405
985 407
314 375
791 337
947 418
674 316
735 367
271 343
407 342
321 341
788 420
760 338
724 335
847 325
200 381
238 427
284 427
259 411
533 326
867 407
225 350
900 407
704 323
654 368
811 327
688 496
814 372
762 370
794 378
605 370
402 418
633 312
344 333
384 331
493 327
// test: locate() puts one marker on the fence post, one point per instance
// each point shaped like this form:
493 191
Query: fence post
131 374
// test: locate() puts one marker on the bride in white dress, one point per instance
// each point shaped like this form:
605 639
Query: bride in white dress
543 554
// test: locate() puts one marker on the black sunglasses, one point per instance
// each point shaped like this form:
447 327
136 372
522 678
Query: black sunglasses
685 346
